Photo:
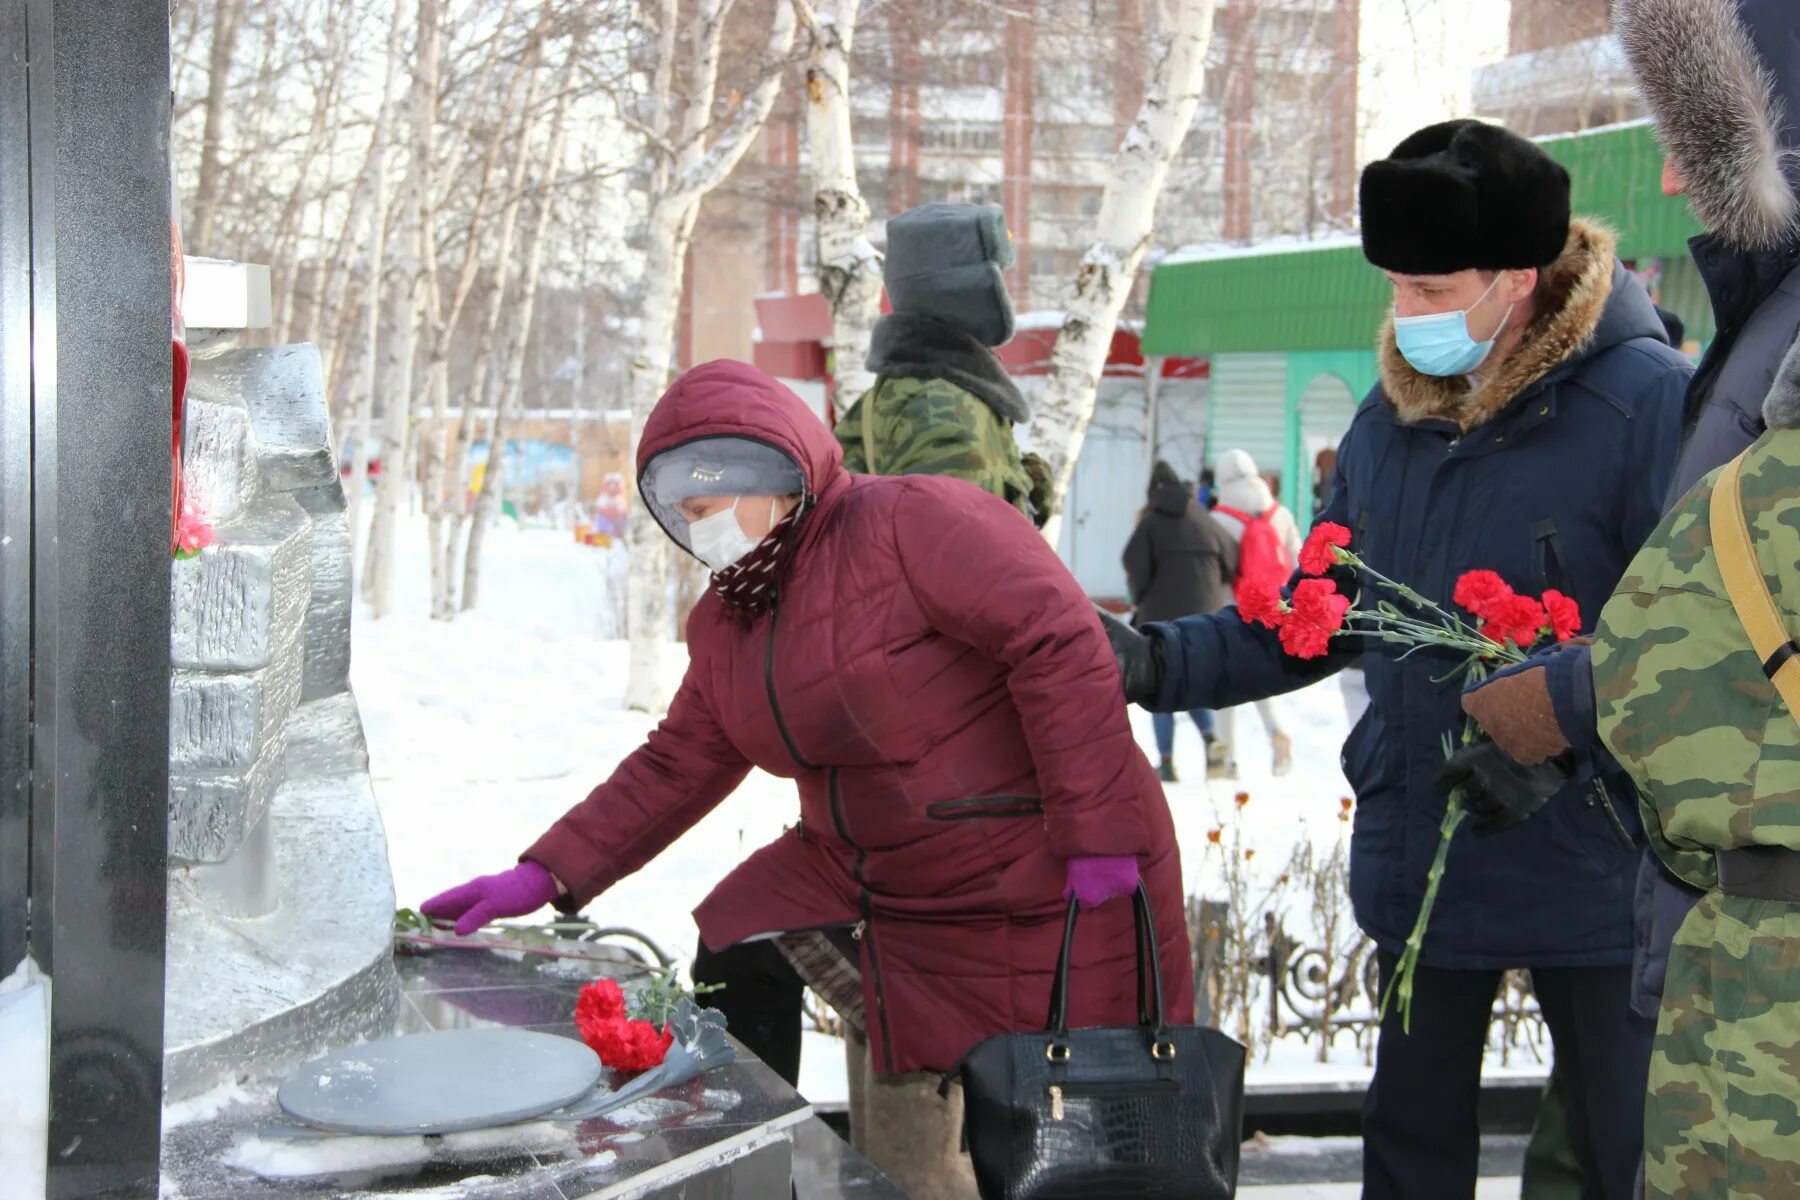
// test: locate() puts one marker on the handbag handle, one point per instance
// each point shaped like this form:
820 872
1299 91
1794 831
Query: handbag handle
1149 964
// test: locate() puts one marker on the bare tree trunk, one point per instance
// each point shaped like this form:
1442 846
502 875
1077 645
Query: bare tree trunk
675 205
437 382
227 19
849 264
493 479
396 469
377 266
1125 226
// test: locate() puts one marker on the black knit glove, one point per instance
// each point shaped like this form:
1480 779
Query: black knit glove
1140 659
1499 791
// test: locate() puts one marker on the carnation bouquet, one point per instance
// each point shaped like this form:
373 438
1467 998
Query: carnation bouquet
1501 629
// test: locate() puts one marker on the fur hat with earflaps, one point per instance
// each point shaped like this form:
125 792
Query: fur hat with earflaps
944 261
1464 195
1722 79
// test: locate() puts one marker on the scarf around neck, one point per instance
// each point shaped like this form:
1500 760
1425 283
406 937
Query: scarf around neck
747 586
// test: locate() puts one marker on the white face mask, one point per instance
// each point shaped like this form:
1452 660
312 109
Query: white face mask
719 541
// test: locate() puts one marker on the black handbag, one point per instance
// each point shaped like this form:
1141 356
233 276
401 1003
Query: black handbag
1150 1111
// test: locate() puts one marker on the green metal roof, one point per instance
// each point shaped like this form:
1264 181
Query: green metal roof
1296 296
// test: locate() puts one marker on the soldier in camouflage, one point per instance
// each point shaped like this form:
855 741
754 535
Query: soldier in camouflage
1685 705
942 403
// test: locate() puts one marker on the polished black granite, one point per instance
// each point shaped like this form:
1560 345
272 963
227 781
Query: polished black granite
726 1135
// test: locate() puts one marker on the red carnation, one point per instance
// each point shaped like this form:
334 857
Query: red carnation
1479 591
622 1044
1565 615
1518 619
1318 612
1319 601
1260 602
601 1000
1319 554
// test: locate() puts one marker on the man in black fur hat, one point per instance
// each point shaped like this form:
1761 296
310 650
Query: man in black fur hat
1526 423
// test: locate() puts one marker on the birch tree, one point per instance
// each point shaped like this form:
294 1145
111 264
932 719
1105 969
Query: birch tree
512 387
849 264
1176 52
377 183
696 148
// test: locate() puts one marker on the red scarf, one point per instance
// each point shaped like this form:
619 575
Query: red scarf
747 586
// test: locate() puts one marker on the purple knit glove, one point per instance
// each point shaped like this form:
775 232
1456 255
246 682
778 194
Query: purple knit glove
524 889
1094 881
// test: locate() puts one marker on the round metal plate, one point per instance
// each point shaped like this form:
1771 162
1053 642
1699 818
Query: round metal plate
440 1082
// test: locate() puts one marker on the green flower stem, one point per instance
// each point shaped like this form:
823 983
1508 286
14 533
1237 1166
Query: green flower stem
1401 986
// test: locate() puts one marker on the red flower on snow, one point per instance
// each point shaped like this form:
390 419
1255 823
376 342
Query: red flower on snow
1565 615
1480 591
622 1044
1318 612
1319 554
1260 602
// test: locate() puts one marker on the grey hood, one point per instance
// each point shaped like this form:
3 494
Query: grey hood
1722 79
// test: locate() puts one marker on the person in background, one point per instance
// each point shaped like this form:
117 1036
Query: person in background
942 403
963 765
1178 562
1525 423
1268 543
1207 492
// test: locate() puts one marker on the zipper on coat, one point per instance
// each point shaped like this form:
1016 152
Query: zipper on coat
781 725
1601 798
868 940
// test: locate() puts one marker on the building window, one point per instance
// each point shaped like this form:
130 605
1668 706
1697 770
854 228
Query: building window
962 136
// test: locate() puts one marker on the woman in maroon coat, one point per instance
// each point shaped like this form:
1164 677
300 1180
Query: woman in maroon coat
916 658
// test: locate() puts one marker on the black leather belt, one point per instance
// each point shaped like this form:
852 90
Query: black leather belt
1760 873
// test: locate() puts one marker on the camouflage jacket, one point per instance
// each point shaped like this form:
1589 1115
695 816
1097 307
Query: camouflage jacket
933 427
1680 694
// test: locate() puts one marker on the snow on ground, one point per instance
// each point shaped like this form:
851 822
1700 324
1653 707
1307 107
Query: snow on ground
25 1097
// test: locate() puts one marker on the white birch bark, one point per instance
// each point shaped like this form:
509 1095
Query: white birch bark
679 187
513 387
377 266
1177 60
849 264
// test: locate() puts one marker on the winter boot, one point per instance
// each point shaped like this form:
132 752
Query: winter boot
1284 753
1166 772
1218 760
899 1124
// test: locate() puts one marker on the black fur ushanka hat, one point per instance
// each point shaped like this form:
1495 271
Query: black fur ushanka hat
1463 195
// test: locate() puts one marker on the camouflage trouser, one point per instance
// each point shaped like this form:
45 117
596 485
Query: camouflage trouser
1723 1117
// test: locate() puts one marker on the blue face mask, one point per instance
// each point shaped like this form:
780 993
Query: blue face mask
1440 344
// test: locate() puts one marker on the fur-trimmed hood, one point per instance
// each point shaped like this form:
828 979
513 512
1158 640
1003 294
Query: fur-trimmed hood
913 347
1590 304
1723 82
1781 409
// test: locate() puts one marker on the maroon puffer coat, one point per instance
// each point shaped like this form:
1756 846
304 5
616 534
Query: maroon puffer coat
937 685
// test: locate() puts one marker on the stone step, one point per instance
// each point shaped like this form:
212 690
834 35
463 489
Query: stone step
314 973
234 600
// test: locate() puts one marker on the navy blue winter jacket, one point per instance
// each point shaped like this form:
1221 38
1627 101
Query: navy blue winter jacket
1551 473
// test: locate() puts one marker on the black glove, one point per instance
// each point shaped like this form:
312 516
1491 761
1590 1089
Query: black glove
1140 659
1499 792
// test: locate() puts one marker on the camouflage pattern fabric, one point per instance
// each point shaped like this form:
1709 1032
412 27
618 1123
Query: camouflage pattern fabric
1684 705
933 427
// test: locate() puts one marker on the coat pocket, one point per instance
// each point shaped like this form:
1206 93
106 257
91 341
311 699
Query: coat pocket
976 807
1548 556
